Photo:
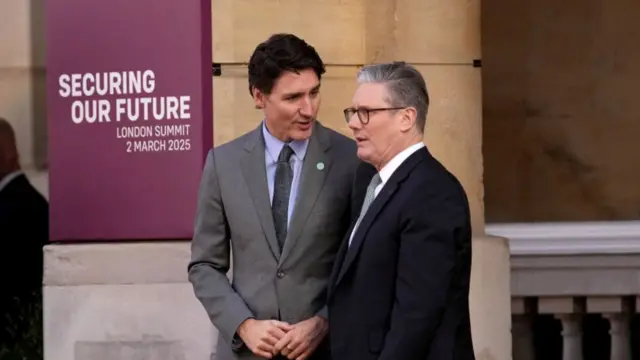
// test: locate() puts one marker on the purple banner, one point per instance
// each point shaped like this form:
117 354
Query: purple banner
130 116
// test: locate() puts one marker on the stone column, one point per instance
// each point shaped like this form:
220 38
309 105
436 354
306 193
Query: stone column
620 335
522 338
571 336
523 313
569 312
441 38
618 310
22 81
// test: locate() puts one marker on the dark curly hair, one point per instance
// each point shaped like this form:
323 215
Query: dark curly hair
280 53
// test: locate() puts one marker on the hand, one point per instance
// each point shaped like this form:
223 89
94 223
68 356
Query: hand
261 335
305 336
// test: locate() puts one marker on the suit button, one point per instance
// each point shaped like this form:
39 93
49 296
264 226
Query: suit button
280 274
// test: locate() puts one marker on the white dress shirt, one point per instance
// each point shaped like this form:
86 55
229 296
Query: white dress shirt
272 148
9 178
388 170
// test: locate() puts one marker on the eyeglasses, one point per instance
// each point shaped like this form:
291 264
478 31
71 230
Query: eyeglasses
363 113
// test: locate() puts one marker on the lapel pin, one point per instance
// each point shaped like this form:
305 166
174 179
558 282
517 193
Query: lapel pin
320 166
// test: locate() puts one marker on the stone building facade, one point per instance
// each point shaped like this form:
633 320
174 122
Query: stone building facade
520 94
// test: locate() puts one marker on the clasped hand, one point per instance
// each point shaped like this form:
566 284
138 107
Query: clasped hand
268 338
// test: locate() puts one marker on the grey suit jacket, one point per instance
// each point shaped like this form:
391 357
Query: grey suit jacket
234 224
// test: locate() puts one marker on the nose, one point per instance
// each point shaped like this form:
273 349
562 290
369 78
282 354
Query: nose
306 108
354 123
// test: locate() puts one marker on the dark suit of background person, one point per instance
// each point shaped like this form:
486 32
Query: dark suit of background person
235 218
399 291
24 230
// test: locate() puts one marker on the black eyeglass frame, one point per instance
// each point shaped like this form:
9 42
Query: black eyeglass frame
365 112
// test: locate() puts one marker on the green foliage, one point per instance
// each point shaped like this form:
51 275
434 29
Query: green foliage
21 337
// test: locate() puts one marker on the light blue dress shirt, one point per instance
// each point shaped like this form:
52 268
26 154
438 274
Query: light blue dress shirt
273 146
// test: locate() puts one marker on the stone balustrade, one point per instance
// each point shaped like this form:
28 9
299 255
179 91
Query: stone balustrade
575 290
585 328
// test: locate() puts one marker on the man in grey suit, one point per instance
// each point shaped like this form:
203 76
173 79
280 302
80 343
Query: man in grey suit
280 197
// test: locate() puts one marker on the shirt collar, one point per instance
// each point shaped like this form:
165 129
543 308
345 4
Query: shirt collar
390 168
9 178
273 145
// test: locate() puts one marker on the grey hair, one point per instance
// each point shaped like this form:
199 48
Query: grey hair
405 86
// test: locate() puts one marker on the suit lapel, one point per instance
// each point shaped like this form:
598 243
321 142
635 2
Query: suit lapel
380 201
255 175
387 192
312 180
339 262
363 176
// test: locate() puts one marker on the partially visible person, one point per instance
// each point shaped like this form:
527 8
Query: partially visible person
400 286
24 230
277 200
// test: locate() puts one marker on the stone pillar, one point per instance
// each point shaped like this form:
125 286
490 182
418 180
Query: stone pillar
22 79
620 335
571 336
441 38
523 313
522 338
570 312
619 311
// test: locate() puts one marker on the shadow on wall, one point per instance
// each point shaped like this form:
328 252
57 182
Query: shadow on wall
561 110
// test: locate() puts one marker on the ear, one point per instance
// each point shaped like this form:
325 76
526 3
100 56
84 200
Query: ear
258 97
408 119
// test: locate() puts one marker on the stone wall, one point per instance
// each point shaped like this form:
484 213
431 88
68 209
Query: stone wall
561 110
101 303
22 77
111 314
440 37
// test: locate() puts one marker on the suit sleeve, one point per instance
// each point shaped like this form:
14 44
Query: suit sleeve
323 313
426 264
210 259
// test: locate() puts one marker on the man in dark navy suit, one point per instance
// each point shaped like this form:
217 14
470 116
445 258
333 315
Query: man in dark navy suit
24 211
400 286
24 230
